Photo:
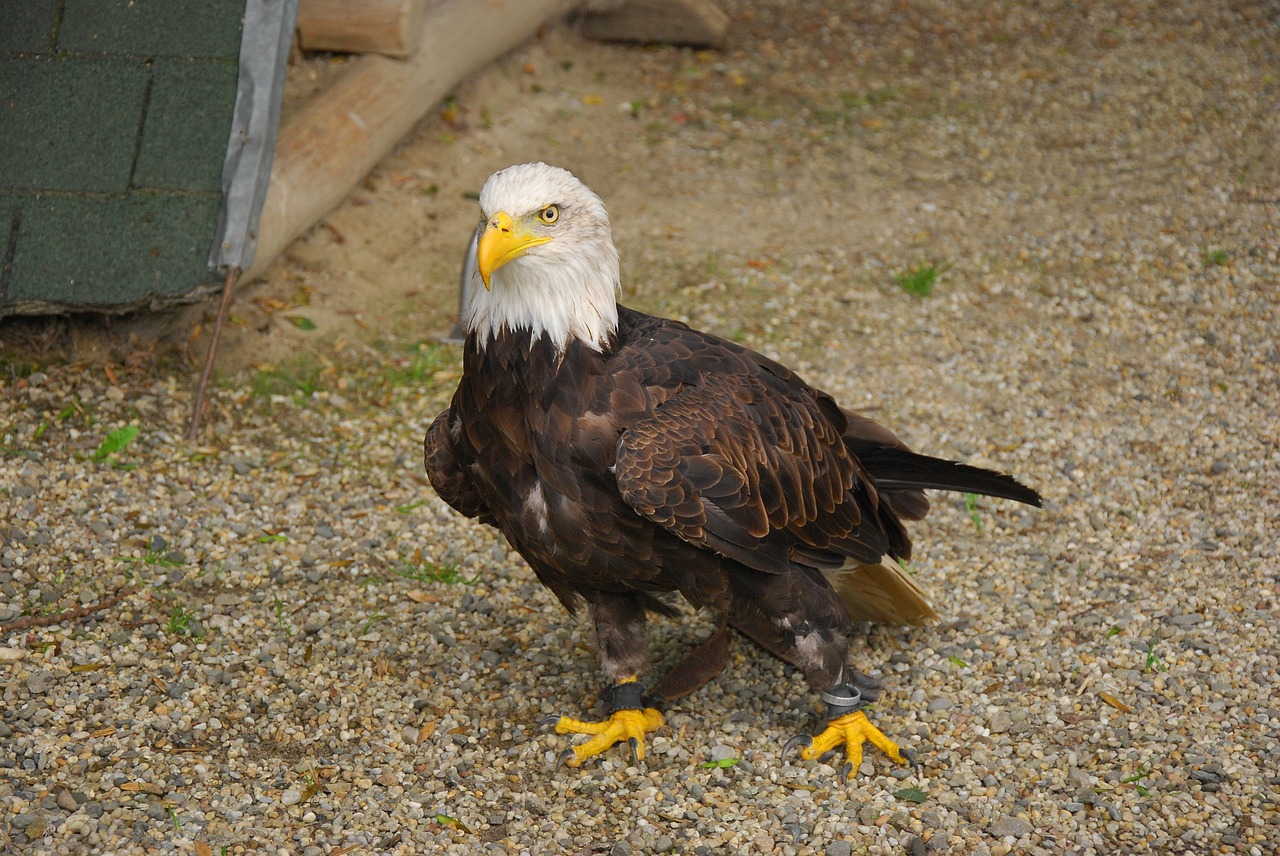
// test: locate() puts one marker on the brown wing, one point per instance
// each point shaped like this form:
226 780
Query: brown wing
447 472
752 464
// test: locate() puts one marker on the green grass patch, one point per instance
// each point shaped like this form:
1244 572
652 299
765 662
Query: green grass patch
420 364
920 280
282 621
377 615
1153 659
410 506
269 382
971 506
114 443
423 570
180 621
452 822
722 764
161 559
1144 772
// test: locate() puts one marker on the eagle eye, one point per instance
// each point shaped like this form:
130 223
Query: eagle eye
550 214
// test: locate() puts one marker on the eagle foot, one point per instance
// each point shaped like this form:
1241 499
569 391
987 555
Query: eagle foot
629 720
852 729
622 725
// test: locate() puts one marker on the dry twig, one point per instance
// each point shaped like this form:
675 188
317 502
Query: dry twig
67 615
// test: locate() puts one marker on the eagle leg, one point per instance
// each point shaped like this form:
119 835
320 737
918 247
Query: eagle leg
628 721
620 637
847 724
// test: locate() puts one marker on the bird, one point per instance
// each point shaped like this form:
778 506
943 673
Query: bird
633 460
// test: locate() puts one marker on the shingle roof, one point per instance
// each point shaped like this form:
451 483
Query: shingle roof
114 120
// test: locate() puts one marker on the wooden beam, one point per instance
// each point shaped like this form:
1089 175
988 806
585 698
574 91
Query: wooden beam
699 23
388 27
324 150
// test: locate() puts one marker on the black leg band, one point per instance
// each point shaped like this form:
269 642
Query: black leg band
629 696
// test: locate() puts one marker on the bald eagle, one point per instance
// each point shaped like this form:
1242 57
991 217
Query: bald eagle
626 457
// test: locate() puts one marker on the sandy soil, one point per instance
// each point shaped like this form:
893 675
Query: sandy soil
865 139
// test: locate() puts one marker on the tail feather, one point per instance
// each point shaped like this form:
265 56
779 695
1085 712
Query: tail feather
883 594
900 470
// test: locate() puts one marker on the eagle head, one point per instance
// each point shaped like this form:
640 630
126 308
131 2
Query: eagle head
546 259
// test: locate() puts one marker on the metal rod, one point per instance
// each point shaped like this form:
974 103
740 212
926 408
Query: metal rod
197 406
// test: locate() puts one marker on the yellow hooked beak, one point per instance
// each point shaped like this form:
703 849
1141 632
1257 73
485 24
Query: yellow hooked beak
503 240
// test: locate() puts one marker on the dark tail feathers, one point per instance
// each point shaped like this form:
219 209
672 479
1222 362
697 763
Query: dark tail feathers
898 469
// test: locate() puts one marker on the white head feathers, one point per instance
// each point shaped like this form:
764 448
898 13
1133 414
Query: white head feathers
564 279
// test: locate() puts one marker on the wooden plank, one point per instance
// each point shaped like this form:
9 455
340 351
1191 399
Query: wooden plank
328 146
699 23
388 27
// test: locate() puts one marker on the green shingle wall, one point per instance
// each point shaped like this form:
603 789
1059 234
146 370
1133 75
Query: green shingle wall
187 28
187 99
69 125
157 244
28 24
114 119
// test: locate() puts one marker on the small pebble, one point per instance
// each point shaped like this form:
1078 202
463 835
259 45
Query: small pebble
39 682
316 622
1006 826
720 752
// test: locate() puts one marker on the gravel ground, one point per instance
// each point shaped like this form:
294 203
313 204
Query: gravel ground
311 654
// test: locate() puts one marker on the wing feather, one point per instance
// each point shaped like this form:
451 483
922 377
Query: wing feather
447 472
752 464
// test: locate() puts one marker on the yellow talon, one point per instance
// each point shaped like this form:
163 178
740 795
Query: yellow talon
852 729
622 725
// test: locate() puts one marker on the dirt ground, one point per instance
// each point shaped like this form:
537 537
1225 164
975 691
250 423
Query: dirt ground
865 138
